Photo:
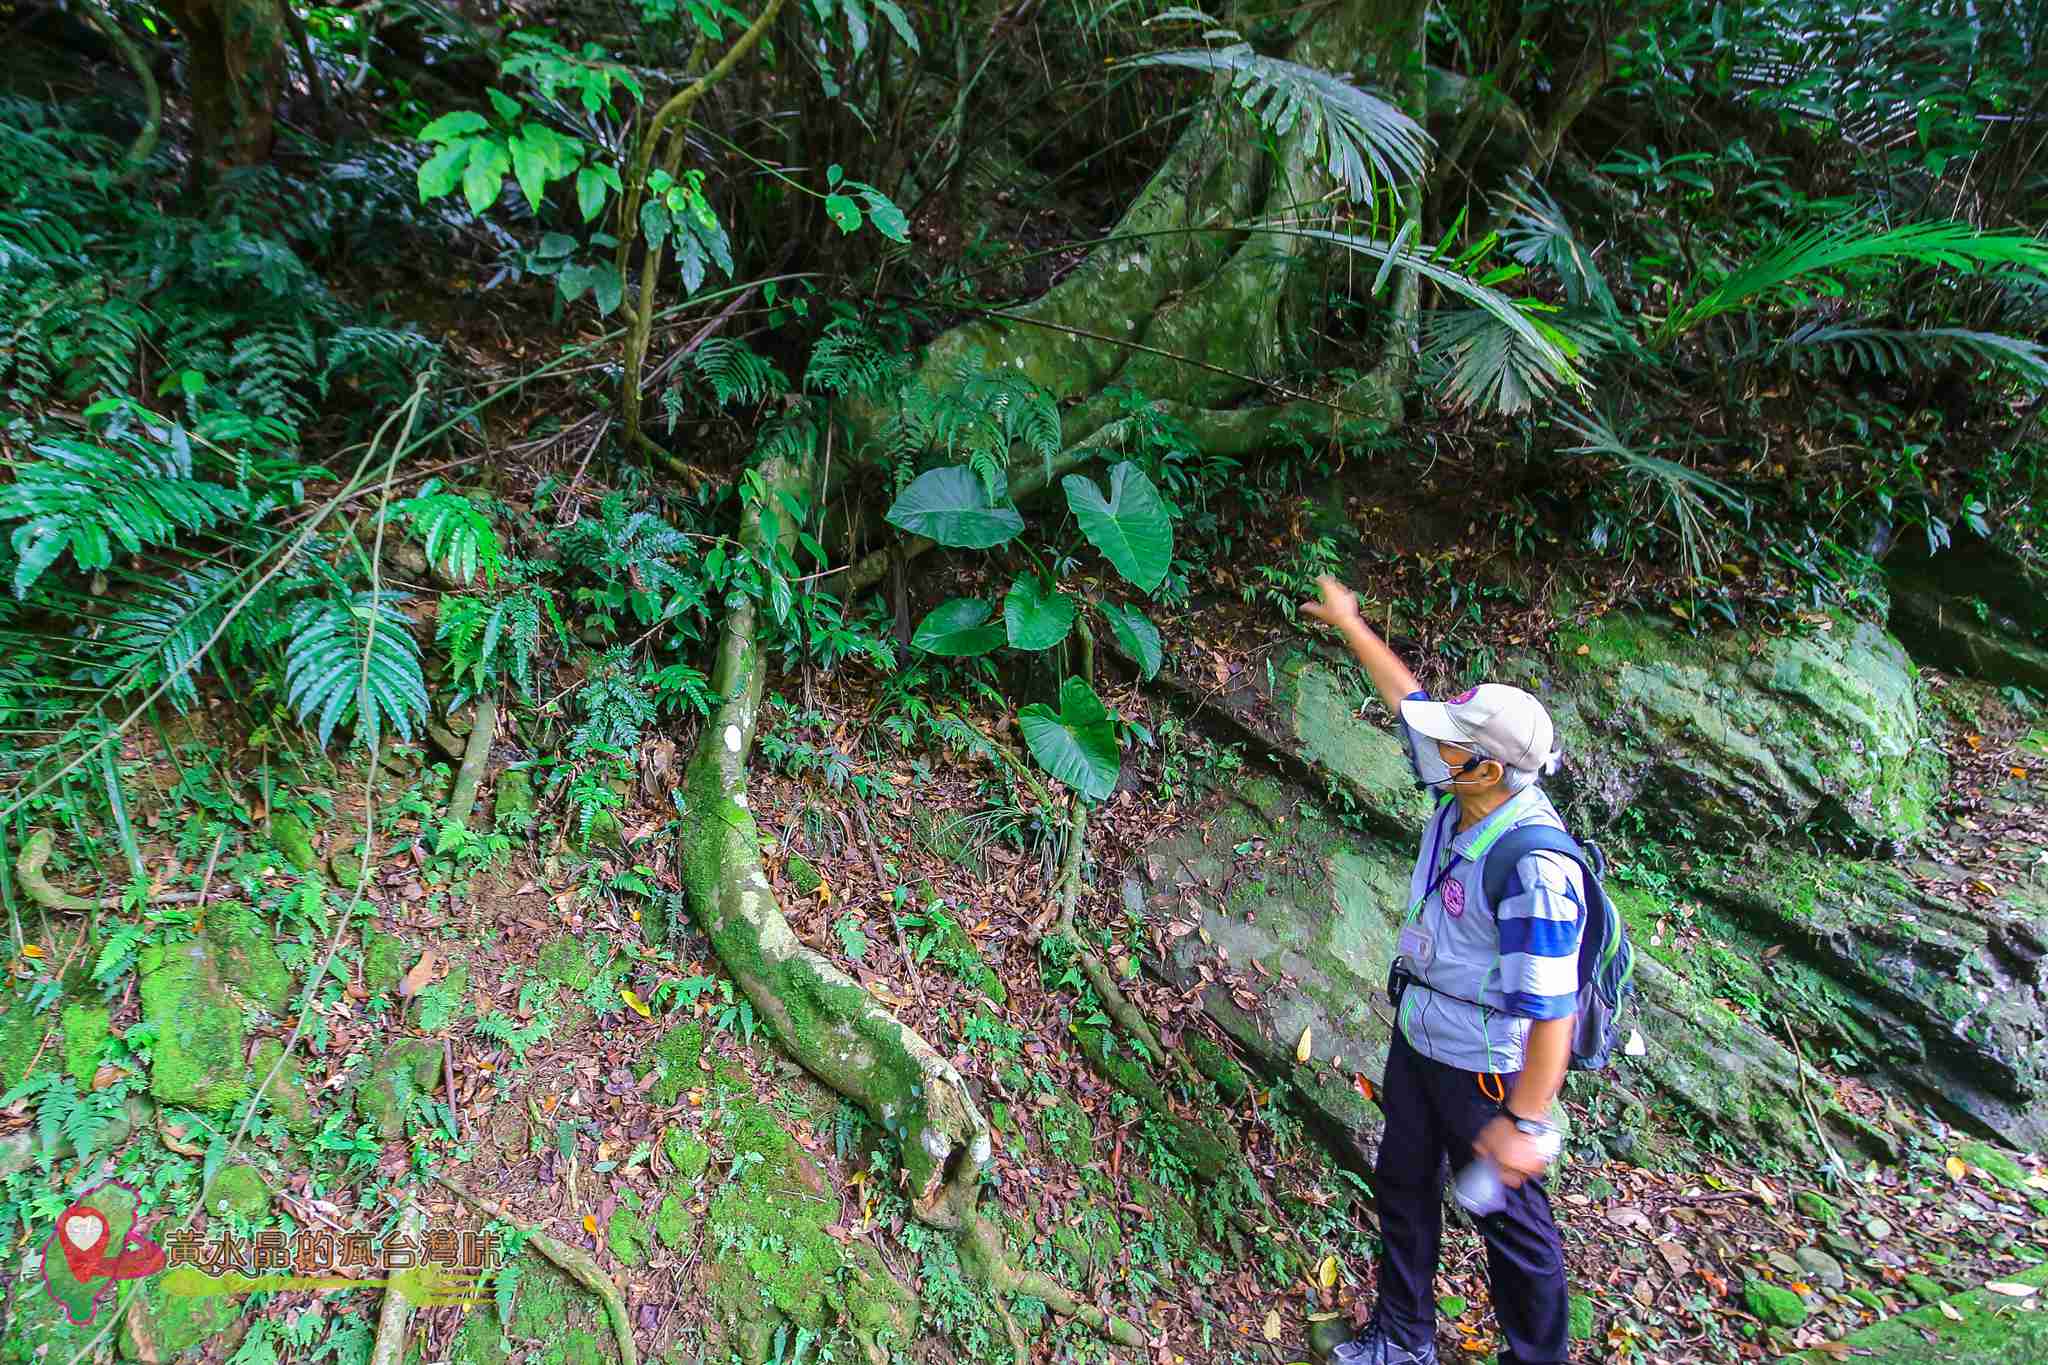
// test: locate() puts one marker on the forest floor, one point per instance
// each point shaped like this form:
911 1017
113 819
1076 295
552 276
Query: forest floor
567 1113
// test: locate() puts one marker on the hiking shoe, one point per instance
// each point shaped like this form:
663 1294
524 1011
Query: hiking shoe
1374 1347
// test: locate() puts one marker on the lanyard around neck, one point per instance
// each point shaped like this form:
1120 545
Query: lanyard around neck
1497 823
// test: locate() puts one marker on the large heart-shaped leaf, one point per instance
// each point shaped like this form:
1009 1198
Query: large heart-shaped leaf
959 629
1038 617
1077 743
1131 526
1138 636
950 506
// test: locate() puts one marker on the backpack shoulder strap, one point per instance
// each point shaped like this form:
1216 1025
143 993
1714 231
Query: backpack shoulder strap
1517 844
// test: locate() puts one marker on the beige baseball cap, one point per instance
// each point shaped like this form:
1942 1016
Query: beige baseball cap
1493 719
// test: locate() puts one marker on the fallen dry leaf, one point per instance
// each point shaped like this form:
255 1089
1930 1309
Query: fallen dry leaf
1270 1328
2013 1290
1301 1049
420 977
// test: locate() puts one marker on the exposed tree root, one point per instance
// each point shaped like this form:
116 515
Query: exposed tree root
575 1262
394 1316
28 874
981 1244
475 754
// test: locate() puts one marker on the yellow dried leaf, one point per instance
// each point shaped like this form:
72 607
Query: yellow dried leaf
31 950
824 890
1948 1310
1270 1328
590 1224
635 1003
1956 1168
1302 1048
1326 1272
2013 1290
1764 1192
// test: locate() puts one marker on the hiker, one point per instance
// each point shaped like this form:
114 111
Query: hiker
1484 1000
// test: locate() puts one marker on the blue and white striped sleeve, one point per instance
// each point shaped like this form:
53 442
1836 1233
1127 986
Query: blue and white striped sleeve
1540 921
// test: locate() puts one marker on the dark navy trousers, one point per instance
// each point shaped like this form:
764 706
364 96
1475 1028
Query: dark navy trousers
1433 1112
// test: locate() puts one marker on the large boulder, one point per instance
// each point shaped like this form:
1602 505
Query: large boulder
1744 735
1972 610
197 1060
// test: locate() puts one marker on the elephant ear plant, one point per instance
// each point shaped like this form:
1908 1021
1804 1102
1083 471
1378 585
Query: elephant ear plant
1130 525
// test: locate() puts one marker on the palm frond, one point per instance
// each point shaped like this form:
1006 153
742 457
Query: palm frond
1806 264
1483 363
1397 255
1538 234
1692 502
1896 350
1365 141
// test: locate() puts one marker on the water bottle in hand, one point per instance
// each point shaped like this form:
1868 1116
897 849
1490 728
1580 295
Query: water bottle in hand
1479 1188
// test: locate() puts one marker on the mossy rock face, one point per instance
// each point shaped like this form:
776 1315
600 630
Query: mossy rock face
167 1324
1229 1078
675 1057
628 1237
290 837
1973 609
548 1307
691 1154
1919 984
386 959
1977 1328
1775 1305
289 1098
237 1189
22 1030
1741 735
803 878
1581 1322
512 801
674 1224
1068 1132
244 948
197 1060
346 869
566 960
85 1033
410 1067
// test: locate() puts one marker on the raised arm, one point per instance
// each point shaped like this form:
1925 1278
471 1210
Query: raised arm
1338 609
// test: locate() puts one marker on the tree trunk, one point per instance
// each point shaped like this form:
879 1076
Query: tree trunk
233 60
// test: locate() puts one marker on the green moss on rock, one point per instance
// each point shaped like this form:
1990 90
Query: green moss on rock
85 1033
567 961
166 1324
674 1060
289 1097
237 1189
673 1221
386 960
628 1237
803 878
1997 1164
289 836
566 1322
243 947
1816 1206
1775 1305
197 1059
410 1067
1212 1061
691 1154
1581 1324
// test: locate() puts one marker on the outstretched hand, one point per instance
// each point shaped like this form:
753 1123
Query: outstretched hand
1338 607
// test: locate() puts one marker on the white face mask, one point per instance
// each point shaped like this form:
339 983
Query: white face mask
1440 776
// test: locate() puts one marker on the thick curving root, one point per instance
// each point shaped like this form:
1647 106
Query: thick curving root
822 1018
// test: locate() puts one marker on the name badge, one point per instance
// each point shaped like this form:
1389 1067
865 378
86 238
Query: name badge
1418 945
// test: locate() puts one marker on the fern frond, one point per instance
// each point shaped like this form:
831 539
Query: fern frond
1804 265
88 498
160 634
1365 141
326 680
1896 350
851 359
457 534
736 371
